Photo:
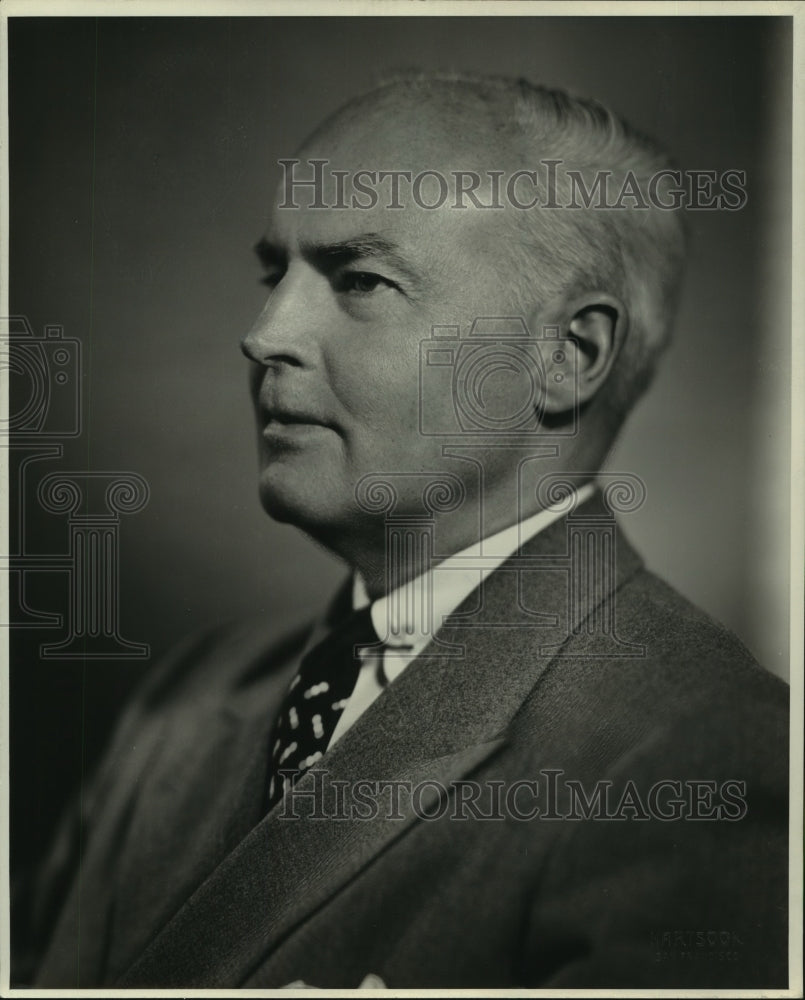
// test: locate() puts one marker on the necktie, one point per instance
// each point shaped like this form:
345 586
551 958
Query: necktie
315 700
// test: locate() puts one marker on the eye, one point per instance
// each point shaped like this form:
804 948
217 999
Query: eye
362 282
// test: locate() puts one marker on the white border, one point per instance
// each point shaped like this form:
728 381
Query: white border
474 8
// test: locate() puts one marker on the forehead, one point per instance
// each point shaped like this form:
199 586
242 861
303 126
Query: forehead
440 246
385 143
385 146
424 220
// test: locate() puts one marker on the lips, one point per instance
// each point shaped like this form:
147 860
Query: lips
285 426
287 417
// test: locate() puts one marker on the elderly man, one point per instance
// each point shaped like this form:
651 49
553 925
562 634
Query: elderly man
508 755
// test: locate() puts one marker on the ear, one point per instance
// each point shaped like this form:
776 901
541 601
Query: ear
591 330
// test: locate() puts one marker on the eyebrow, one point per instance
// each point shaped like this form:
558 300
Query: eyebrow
329 256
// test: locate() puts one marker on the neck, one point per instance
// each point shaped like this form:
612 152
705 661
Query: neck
391 551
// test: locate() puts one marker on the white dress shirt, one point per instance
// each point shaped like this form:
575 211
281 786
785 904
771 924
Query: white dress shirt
406 619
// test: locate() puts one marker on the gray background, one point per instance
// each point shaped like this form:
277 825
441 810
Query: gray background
143 157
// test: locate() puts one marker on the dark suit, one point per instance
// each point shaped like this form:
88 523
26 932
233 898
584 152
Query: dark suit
184 884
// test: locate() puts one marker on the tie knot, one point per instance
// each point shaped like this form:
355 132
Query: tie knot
355 630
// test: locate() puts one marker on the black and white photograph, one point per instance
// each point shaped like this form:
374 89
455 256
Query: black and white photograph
402 499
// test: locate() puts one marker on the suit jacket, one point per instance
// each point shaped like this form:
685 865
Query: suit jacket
184 883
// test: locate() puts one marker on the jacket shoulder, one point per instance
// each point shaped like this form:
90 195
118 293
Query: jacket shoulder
679 635
678 674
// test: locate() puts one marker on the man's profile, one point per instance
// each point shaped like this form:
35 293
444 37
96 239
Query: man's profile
507 755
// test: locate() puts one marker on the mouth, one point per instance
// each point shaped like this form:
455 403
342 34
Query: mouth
289 418
281 426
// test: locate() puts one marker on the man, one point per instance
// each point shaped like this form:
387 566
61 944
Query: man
533 764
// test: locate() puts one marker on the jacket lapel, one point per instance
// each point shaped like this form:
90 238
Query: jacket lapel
441 718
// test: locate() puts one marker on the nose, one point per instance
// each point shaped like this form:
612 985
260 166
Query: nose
281 333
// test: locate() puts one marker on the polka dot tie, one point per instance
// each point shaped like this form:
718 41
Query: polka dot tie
314 702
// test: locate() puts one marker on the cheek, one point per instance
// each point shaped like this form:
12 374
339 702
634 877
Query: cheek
378 388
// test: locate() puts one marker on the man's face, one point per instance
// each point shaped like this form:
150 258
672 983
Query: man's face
336 349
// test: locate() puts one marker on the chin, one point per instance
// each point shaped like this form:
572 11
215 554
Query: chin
313 507
337 527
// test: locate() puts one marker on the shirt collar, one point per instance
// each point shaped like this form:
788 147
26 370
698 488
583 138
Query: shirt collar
406 618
